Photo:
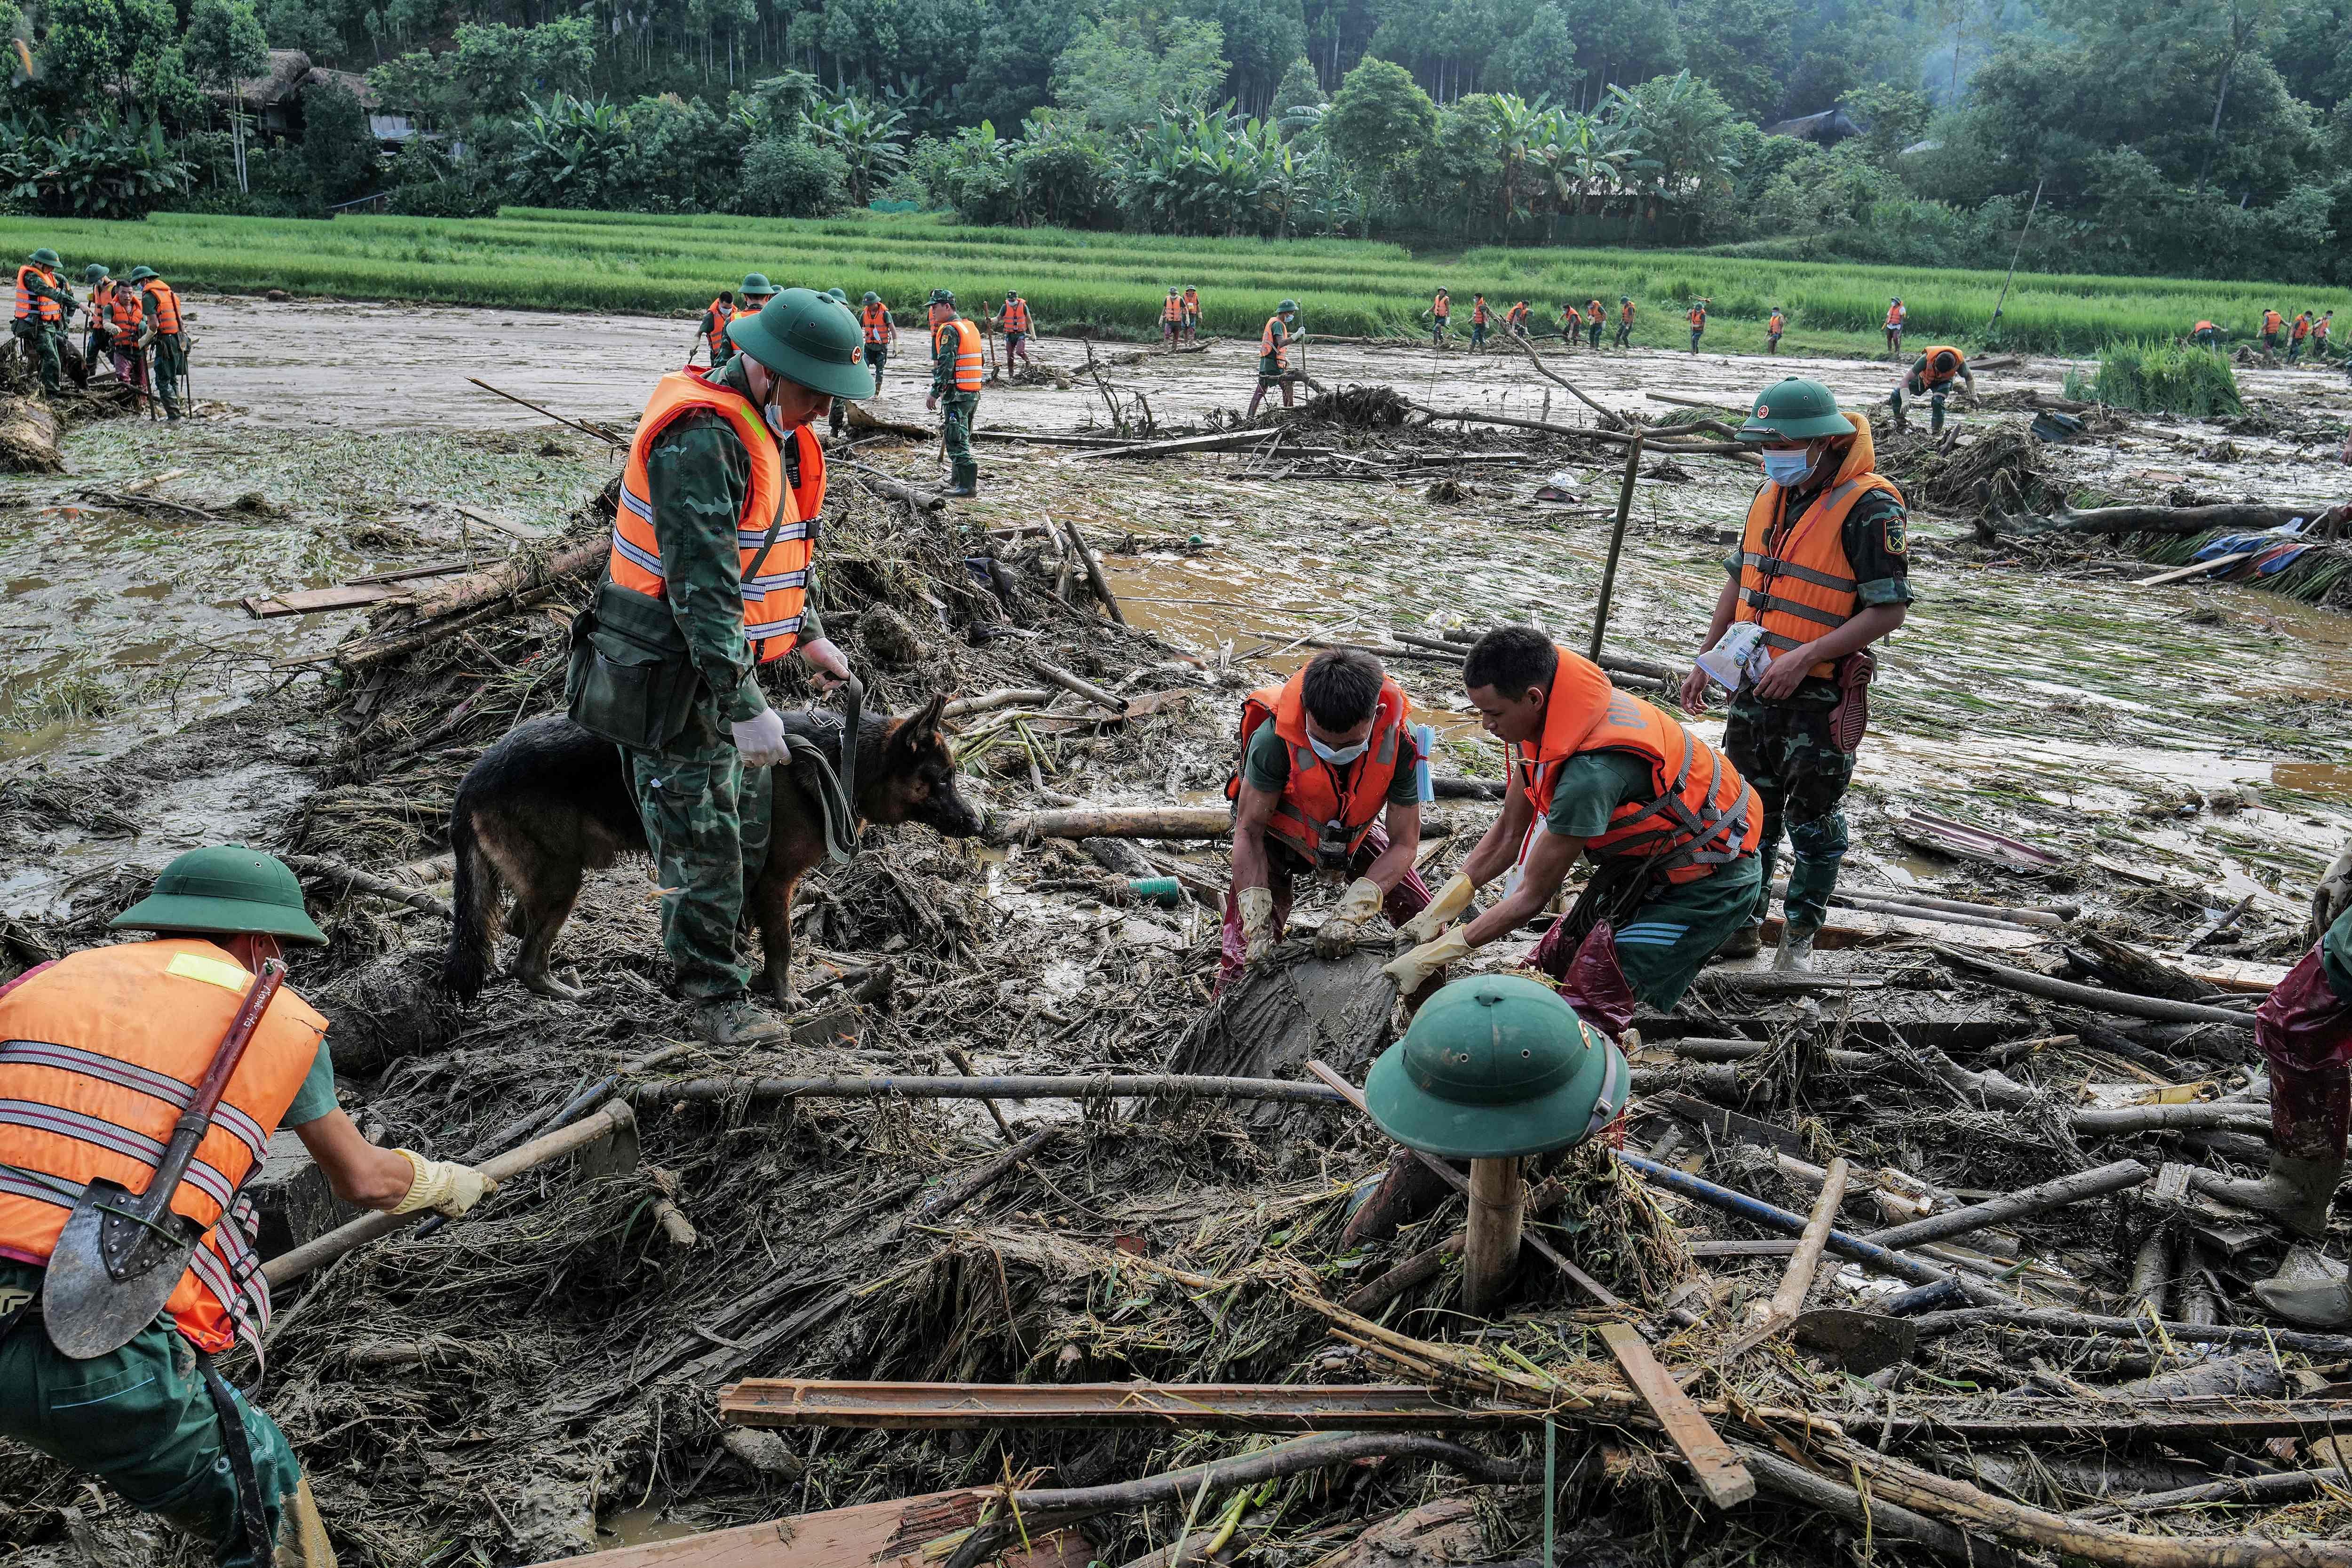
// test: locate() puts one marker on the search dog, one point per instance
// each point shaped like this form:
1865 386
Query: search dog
550 802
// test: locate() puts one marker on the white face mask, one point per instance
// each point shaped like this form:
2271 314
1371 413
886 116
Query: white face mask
1785 469
1339 755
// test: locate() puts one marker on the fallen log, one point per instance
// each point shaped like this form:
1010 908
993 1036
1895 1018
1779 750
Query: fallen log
512 583
859 418
368 882
1875 1514
2244 1116
1934 1325
1117 822
1003 697
882 484
28 437
2117 1177
2092 997
1220 441
1691 450
2118 519
1086 688
1070 1086
2278 1487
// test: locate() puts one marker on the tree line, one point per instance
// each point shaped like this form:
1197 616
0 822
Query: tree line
2198 137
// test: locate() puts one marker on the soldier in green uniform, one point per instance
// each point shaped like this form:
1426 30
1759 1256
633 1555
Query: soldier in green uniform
666 668
837 421
1274 354
163 334
755 293
1822 569
955 388
43 305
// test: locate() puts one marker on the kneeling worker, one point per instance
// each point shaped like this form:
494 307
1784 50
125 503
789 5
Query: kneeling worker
1327 759
712 546
1670 825
104 1050
1931 373
1821 570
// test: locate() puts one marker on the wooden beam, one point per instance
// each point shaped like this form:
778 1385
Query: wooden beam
1713 1465
892 1534
1190 1407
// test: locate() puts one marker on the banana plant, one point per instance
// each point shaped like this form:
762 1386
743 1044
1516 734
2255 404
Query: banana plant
871 139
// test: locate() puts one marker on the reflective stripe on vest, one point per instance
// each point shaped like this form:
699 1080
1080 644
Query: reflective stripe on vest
1694 830
167 309
969 353
31 304
773 598
875 320
99 1056
1806 585
1322 812
1016 316
720 315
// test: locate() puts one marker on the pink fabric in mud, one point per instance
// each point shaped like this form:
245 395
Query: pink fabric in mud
1406 900
1590 979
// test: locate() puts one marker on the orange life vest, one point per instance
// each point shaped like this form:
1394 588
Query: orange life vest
2205 327
1173 311
1325 812
100 1052
167 308
1016 315
1274 342
775 597
968 352
1514 315
875 320
2320 329
1929 377
1478 311
1894 317
1775 325
1440 307
720 315
39 305
1704 814
2272 319
1697 317
1592 313
1795 580
2302 326
101 301
1626 312
124 313
1192 301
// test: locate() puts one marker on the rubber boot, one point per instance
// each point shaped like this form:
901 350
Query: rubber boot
2309 1115
1745 941
1795 953
738 1021
1936 417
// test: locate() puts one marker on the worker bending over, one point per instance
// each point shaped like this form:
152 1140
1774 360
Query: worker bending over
1820 573
1329 783
1932 374
955 355
1668 823
102 1051
2205 335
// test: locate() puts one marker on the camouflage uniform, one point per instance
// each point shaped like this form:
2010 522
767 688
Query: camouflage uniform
40 340
170 351
1785 748
957 410
705 817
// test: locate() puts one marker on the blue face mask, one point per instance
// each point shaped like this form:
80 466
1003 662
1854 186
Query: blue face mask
1785 468
1339 756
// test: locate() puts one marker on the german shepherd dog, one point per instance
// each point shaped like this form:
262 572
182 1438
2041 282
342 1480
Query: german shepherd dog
551 801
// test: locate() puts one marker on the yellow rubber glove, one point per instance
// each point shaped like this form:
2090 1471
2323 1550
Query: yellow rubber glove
1336 938
1430 958
1257 905
442 1185
1451 901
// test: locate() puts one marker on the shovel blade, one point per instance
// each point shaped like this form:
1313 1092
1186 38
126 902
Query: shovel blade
110 1273
1861 1342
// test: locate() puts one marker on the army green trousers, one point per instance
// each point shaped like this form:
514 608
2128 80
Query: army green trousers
141 1421
40 346
957 411
707 819
1786 752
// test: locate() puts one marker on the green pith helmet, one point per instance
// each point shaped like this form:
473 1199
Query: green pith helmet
942 297
1494 1066
872 298
227 890
93 273
1288 308
44 256
1795 410
836 294
808 338
140 273
1624 299
756 287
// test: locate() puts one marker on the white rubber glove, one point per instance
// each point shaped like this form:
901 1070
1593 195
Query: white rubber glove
1451 901
1336 938
2332 896
442 1185
1410 970
1257 905
762 740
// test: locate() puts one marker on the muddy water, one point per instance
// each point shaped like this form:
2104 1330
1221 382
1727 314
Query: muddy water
2077 711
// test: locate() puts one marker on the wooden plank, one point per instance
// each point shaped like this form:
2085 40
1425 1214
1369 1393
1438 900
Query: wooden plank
318 601
892 1534
1713 1465
1191 1407
2194 567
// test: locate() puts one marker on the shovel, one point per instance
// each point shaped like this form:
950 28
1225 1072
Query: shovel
121 1253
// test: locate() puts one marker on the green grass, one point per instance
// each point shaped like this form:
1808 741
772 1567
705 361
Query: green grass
2166 378
558 261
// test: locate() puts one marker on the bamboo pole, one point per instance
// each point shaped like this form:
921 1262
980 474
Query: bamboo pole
1616 543
1491 1248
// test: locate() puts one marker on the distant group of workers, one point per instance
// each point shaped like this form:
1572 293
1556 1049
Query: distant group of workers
134 324
1180 318
1583 325
2303 333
